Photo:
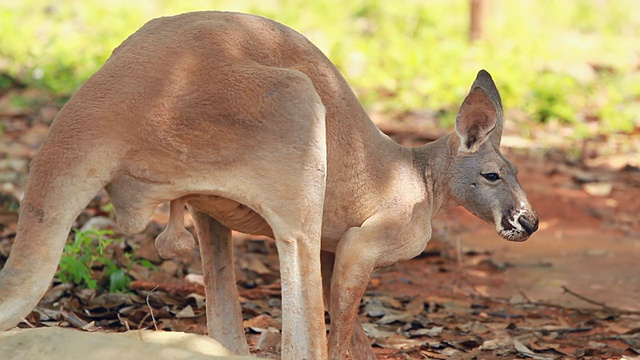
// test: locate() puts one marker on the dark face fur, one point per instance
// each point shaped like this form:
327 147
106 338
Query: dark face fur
484 181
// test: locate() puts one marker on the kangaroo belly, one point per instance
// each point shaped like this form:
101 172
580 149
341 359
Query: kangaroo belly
231 214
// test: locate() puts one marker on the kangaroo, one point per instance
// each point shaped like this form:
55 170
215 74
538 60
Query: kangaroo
247 123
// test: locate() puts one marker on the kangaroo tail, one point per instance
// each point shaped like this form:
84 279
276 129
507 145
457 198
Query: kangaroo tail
63 179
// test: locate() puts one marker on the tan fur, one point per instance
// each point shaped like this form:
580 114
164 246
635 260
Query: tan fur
247 123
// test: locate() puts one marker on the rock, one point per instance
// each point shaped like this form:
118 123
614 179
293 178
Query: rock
601 189
59 343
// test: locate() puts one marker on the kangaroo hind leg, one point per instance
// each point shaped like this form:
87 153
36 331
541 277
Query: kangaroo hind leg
224 317
293 208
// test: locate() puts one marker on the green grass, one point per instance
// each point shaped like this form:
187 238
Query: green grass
89 261
572 61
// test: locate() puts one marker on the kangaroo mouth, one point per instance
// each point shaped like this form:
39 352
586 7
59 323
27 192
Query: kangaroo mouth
514 235
517 226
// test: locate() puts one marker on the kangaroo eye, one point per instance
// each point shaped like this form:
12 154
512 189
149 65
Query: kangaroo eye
491 176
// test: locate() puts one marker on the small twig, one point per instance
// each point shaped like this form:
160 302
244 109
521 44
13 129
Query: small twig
458 250
124 322
563 307
141 323
527 298
153 318
504 315
24 320
571 330
584 298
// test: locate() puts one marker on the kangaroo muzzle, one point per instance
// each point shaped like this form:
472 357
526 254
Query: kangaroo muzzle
517 225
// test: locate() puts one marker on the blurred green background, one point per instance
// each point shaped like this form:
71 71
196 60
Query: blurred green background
570 63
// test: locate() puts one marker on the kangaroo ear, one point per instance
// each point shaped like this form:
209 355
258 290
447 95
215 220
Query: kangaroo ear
480 115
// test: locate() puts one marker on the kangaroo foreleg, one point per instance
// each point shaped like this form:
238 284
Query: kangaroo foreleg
360 347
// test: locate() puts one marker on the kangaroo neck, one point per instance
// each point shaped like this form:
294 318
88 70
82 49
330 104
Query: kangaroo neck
433 161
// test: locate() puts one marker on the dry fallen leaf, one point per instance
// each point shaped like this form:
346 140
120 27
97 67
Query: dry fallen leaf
496 344
262 323
375 308
111 300
397 341
431 332
269 341
56 292
433 355
186 312
415 306
522 348
256 265
91 327
199 300
525 351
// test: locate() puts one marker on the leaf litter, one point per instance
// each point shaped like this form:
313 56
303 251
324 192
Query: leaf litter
448 324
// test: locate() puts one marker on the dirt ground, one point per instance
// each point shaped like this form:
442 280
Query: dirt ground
571 291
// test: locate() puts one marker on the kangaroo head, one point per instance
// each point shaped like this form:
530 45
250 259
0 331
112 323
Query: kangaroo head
483 180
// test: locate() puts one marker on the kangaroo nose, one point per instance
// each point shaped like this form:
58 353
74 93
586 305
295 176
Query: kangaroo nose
530 226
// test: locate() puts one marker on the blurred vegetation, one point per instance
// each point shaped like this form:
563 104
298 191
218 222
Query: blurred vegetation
572 62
